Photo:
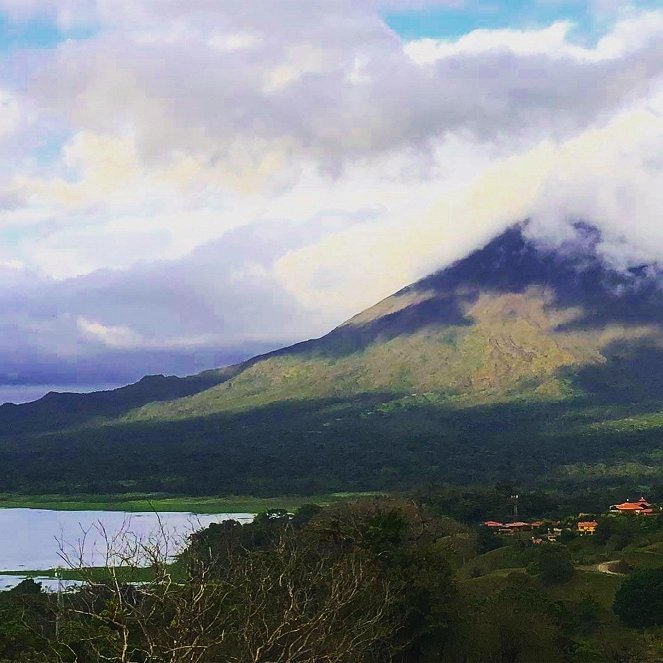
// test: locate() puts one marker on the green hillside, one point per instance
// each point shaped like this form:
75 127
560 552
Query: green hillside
511 349
518 362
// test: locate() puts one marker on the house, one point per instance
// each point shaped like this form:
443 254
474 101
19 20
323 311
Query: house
640 507
587 526
554 533
519 525
509 529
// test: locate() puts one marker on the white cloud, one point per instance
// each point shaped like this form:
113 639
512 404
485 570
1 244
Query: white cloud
9 113
333 86
215 174
114 336
551 41
631 34
67 13
611 176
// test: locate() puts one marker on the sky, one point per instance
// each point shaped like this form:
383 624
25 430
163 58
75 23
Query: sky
184 185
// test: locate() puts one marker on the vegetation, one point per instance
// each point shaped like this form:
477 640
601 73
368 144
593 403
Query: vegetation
376 579
639 600
352 445
160 502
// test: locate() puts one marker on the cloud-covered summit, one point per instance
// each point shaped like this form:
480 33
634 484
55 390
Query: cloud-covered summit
184 184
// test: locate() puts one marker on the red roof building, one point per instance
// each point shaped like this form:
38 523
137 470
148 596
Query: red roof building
640 508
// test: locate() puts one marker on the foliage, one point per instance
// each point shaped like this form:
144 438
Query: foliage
639 600
379 580
552 564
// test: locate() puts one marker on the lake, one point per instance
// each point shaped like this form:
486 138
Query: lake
30 539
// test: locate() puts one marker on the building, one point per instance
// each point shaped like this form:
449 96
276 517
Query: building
509 529
587 527
640 507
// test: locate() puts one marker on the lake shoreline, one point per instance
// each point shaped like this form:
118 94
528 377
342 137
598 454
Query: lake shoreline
45 539
165 503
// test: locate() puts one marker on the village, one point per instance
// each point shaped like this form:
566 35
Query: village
584 524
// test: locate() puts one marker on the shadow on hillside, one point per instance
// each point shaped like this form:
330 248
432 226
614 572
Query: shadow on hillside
633 373
574 275
347 339
371 442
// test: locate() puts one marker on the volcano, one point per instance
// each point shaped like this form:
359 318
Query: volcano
514 319
519 346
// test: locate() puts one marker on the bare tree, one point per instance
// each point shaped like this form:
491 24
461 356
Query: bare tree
309 606
295 601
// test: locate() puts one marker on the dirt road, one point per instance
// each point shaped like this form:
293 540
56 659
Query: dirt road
606 567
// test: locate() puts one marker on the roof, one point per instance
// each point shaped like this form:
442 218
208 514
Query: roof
588 523
517 524
493 523
642 503
631 506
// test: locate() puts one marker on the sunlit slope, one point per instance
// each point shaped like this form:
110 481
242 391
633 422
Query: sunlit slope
513 320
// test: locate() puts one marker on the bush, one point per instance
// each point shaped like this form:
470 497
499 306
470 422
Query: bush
552 565
639 600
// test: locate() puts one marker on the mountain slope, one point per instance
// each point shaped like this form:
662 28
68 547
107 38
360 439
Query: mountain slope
510 320
518 362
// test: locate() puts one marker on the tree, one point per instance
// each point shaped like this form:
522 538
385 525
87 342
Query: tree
284 598
552 564
402 538
516 623
639 599
487 540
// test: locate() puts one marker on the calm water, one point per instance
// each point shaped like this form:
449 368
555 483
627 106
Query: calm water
33 538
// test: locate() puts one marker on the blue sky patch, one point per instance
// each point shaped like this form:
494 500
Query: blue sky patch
35 34
452 22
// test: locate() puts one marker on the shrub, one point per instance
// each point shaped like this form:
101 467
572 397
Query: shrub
639 600
552 564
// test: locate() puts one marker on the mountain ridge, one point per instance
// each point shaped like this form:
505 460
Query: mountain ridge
444 298
510 312
518 346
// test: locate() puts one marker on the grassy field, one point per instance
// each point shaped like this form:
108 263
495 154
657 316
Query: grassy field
163 503
599 586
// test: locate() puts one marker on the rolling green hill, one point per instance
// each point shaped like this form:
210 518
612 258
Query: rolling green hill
517 362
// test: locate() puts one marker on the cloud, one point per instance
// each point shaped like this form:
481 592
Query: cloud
195 182
66 13
114 336
9 113
218 305
294 94
611 176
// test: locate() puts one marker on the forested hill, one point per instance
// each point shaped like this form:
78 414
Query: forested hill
57 410
516 347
